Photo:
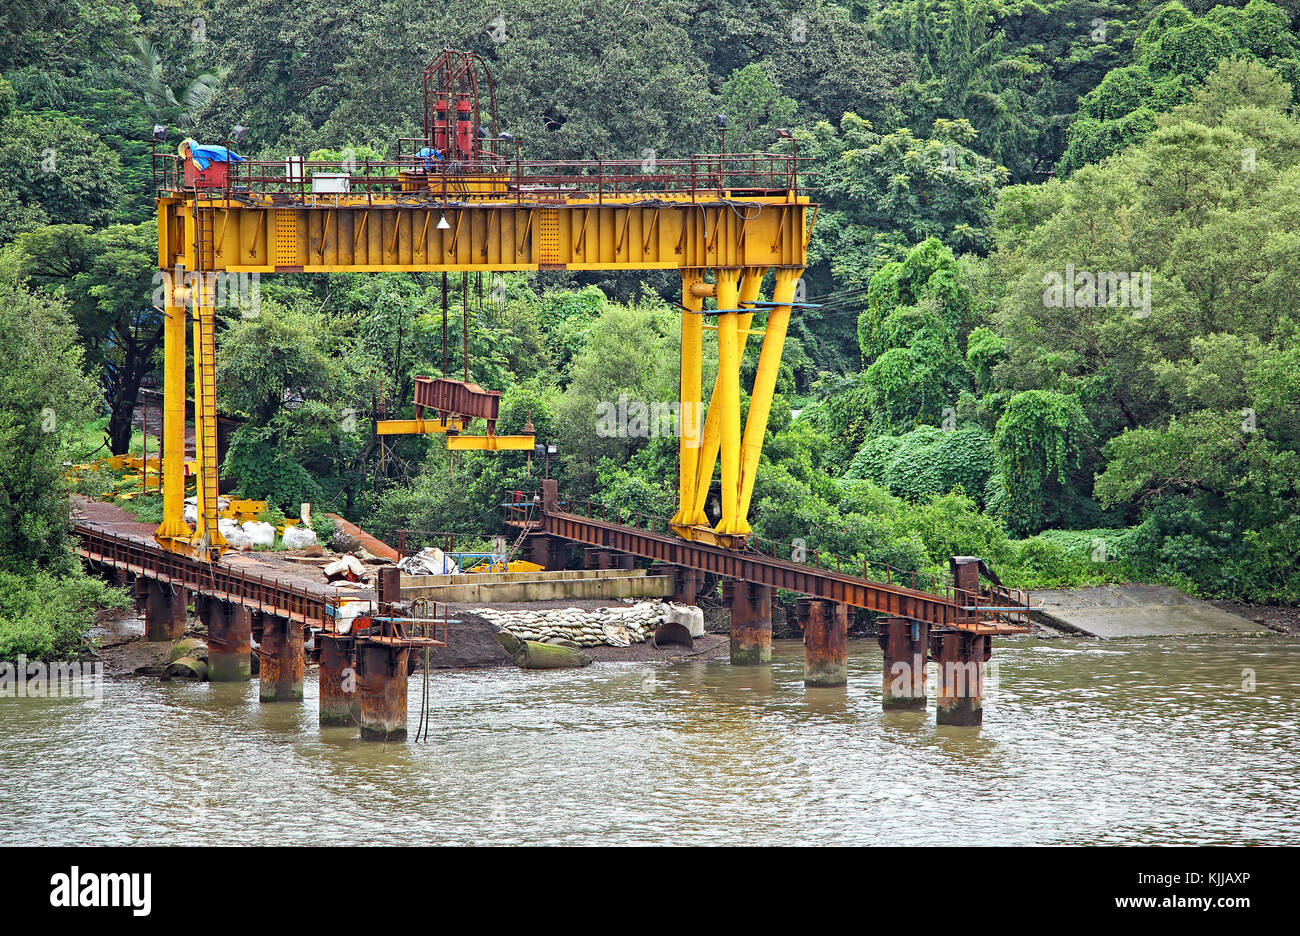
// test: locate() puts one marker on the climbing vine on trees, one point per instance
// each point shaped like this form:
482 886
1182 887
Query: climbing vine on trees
1038 444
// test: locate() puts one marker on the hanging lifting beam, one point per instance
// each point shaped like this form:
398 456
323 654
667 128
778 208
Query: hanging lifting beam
417 426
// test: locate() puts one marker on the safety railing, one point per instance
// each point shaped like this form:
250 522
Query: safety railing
429 179
270 595
410 542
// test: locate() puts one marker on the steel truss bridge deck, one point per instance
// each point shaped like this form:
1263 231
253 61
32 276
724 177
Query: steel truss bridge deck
957 610
315 610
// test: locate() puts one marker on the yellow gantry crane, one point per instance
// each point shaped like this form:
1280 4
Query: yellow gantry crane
459 199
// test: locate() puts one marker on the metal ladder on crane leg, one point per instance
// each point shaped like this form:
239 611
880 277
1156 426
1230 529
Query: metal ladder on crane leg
205 379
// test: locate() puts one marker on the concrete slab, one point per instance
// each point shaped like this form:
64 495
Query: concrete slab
1114 611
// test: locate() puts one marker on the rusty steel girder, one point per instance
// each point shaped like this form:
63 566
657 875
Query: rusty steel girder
750 567
456 398
148 560
813 581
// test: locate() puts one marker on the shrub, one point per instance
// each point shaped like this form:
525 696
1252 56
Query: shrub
46 617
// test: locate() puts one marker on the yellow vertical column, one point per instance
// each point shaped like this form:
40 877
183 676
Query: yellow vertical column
727 395
688 442
711 439
200 527
208 539
760 401
173 533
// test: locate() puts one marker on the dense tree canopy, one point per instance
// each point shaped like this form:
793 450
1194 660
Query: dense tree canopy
1050 280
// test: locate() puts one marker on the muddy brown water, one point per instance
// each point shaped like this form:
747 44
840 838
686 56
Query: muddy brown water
1083 742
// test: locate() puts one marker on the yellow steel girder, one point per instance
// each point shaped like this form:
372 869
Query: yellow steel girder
417 426
388 236
490 443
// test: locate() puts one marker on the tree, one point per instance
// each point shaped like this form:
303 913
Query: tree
628 361
182 102
1039 444
886 192
52 171
928 460
755 110
43 394
1171 58
109 278
306 398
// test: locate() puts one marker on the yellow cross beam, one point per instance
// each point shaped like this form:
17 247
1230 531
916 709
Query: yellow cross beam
490 443
417 426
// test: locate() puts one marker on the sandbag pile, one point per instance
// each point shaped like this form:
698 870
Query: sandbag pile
262 534
235 537
192 508
614 627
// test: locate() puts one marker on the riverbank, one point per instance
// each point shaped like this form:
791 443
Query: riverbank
1281 619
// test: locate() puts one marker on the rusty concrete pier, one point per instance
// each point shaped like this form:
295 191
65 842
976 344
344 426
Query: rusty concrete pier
751 622
906 646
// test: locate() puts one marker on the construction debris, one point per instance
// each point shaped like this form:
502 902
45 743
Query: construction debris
428 561
346 567
370 558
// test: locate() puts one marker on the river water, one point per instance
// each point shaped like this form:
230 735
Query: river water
1083 742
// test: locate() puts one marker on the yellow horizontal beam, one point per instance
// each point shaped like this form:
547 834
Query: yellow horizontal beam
417 426
387 236
709 536
491 443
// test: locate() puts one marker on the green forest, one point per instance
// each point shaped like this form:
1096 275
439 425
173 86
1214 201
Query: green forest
1050 322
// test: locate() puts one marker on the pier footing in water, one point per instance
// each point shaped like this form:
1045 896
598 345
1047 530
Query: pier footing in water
164 609
382 676
282 661
751 622
339 701
230 639
960 658
825 641
905 643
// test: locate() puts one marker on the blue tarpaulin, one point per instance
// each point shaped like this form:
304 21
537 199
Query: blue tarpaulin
205 156
430 156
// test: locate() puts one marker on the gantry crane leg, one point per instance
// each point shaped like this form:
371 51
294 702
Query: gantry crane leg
199 293
207 536
690 511
711 439
760 400
173 533
736 293
728 394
